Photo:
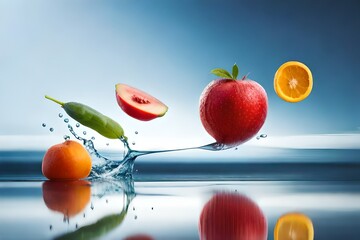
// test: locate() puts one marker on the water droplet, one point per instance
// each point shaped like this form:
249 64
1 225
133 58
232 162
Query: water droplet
51 129
107 144
133 143
92 206
60 115
77 125
84 132
66 137
50 227
44 124
66 120
92 138
136 132
135 217
263 135
76 226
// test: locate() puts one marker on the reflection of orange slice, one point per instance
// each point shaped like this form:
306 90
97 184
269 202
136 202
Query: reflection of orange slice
293 81
294 226
67 197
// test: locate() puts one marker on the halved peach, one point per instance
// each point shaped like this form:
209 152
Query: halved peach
138 104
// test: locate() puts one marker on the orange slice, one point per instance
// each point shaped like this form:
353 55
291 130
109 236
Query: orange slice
294 226
293 81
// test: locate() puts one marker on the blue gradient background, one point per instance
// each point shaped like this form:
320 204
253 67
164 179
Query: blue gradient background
78 50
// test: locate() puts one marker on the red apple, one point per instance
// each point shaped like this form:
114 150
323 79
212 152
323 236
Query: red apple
139 104
233 111
232 216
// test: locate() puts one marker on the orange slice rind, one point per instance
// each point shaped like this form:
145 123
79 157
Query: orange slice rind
293 81
293 226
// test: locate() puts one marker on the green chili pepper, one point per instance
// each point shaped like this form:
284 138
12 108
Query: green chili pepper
91 118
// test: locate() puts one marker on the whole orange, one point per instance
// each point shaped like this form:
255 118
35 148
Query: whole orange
66 161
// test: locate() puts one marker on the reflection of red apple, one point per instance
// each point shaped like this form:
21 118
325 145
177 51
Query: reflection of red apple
232 216
233 111
67 197
139 104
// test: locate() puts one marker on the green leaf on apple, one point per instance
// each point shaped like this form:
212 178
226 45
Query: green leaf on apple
221 73
235 71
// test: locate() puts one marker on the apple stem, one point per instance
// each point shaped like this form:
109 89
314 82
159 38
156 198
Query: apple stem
245 76
54 100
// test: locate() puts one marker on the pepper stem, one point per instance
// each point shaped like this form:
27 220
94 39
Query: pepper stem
54 100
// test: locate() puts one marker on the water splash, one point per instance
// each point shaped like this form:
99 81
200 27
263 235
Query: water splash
123 168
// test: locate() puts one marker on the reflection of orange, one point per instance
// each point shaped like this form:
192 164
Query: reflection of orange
68 160
294 226
67 197
232 216
139 237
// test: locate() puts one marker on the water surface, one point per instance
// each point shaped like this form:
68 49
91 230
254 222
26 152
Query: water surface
166 196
